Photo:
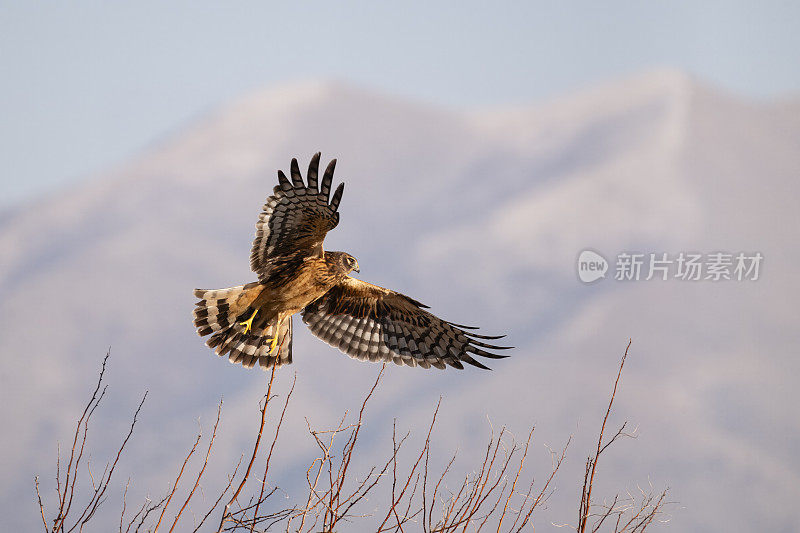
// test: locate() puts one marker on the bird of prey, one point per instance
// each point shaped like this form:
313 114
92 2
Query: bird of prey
253 323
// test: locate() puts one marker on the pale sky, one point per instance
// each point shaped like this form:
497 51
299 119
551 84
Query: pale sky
87 85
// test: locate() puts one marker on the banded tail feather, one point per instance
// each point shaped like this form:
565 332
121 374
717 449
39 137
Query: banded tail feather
219 313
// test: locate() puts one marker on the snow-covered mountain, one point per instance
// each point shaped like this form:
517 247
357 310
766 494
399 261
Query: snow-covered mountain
480 215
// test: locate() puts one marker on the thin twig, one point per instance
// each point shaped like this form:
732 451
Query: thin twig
586 495
226 511
202 470
269 455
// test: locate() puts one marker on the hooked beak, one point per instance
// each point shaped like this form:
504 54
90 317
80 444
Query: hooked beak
356 269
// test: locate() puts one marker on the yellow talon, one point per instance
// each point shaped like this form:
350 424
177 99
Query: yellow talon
249 322
272 344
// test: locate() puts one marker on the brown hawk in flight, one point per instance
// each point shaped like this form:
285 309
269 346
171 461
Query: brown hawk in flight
253 323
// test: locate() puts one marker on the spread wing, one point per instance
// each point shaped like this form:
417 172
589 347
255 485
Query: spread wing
376 324
296 217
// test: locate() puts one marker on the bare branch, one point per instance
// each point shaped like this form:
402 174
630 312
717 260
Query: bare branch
222 494
202 470
41 506
226 511
269 455
488 497
97 498
591 465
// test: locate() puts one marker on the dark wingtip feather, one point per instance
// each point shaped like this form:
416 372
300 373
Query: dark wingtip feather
462 326
493 355
327 178
484 353
489 346
337 197
284 181
297 178
313 172
455 363
415 302
469 360
486 337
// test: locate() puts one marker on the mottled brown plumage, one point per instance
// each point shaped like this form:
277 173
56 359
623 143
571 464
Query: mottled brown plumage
253 323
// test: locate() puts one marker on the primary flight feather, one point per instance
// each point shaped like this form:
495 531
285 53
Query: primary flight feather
253 323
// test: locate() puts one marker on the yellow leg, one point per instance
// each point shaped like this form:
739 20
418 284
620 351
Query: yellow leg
273 343
249 322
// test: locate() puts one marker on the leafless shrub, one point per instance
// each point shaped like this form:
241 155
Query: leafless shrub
65 519
499 494
628 514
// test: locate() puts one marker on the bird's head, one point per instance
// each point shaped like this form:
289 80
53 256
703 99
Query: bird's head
350 263
344 262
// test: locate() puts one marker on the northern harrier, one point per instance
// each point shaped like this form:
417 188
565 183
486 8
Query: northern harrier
253 323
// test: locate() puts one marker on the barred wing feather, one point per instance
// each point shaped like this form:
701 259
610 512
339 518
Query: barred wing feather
296 218
371 323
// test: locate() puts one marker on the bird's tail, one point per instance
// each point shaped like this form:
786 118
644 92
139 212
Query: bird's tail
224 314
